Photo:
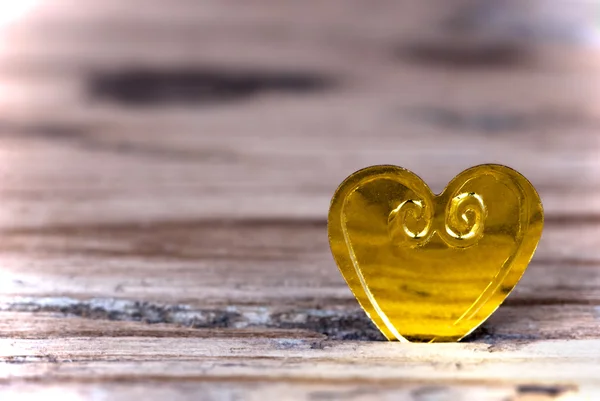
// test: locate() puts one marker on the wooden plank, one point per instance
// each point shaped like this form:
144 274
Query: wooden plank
257 276
192 180
259 390
223 262
282 359
43 317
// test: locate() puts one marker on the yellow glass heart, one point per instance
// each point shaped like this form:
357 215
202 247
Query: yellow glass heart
430 267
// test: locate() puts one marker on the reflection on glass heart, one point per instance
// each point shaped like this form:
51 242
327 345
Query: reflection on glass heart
431 267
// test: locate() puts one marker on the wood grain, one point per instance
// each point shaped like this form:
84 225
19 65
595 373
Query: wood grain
165 176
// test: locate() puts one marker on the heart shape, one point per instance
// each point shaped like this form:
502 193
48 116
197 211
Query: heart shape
428 267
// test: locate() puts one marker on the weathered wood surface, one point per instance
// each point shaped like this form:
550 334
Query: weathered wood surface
165 173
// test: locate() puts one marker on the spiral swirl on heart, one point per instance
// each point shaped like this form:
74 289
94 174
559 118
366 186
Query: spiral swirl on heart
411 221
465 217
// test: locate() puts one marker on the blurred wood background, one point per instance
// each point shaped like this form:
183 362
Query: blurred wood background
165 175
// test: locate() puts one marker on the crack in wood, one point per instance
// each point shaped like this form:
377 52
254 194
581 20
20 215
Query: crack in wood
23 359
145 86
466 55
335 324
549 391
